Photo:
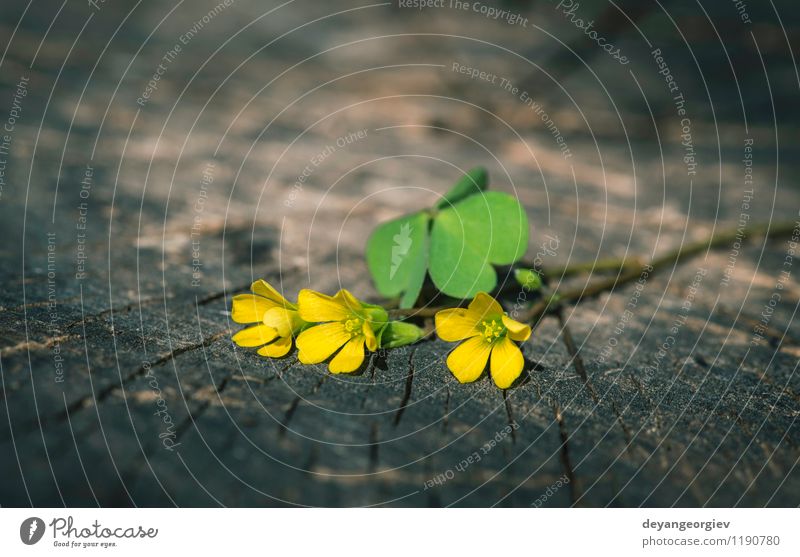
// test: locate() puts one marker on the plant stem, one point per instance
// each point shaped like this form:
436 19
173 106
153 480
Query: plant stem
628 269
599 266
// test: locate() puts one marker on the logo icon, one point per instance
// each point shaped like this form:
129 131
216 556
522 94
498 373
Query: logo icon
31 530
402 243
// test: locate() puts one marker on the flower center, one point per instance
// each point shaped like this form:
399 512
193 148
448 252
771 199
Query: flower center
492 329
354 326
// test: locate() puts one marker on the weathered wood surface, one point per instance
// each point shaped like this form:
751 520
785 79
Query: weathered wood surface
128 391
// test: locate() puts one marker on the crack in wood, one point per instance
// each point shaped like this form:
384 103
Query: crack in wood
36 345
574 490
279 373
199 411
137 466
371 367
626 432
87 401
580 368
283 426
701 361
39 303
222 293
575 358
95 317
372 364
407 393
512 423
110 389
91 426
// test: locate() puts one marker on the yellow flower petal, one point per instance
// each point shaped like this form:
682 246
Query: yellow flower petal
516 330
507 363
350 301
283 320
265 289
485 306
277 349
316 308
254 336
456 324
247 308
317 343
468 360
369 336
349 358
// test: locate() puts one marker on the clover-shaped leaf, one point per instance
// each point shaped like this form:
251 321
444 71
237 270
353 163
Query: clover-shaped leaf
471 236
474 181
457 242
397 257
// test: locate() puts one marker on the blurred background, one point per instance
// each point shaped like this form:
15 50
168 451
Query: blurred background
159 156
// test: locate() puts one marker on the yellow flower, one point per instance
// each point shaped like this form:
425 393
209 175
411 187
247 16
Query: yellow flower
487 330
346 323
278 320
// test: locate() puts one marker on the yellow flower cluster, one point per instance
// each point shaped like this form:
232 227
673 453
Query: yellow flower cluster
321 325
341 327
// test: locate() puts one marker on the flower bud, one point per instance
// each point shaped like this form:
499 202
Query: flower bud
399 333
377 314
528 278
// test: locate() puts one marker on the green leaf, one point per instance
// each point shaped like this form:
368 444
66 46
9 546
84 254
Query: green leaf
468 238
419 268
397 257
474 181
399 333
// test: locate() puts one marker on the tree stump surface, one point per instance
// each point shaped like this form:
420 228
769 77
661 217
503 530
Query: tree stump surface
130 222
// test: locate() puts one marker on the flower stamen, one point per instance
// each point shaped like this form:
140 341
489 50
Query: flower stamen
353 326
492 329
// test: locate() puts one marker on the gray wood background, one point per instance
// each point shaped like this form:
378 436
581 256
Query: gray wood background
122 387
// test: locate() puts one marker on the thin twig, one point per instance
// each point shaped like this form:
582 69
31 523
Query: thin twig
611 265
628 269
